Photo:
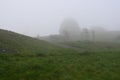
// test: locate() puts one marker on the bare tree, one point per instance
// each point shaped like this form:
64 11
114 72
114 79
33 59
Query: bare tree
86 34
93 35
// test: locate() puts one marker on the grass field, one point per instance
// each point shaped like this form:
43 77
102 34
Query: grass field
89 66
34 59
93 46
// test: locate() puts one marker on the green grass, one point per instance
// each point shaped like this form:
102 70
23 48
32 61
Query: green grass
21 44
94 46
92 66
34 59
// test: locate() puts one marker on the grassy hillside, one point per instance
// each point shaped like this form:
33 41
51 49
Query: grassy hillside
11 42
38 60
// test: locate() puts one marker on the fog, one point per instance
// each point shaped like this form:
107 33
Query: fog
44 17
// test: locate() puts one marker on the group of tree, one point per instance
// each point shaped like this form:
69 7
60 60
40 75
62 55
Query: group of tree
71 31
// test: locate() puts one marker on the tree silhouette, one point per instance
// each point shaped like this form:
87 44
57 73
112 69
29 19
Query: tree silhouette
69 29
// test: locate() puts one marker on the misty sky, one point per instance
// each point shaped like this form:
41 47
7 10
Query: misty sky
43 17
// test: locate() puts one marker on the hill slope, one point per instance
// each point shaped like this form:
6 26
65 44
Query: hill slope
11 42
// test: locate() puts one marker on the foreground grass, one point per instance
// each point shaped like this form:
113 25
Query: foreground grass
26 58
87 66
